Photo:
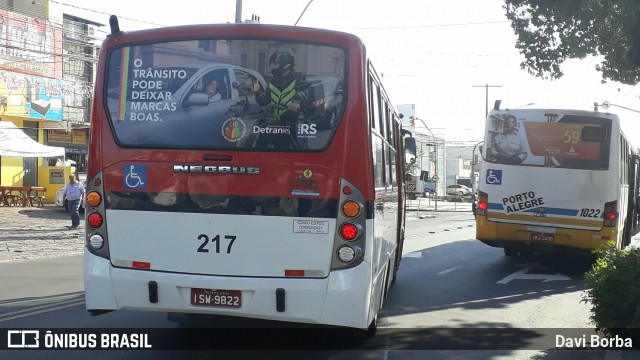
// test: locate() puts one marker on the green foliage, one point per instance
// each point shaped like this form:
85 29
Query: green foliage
613 289
552 31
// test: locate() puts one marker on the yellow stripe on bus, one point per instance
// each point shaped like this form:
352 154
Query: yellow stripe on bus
545 220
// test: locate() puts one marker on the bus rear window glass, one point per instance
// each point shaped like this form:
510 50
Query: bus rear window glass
181 95
572 141
593 134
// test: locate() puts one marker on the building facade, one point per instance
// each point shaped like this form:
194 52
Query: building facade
47 67
459 165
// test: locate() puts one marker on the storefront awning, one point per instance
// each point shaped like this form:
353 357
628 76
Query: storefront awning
14 142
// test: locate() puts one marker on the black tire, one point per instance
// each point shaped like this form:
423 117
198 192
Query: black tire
368 333
373 328
526 252
510 251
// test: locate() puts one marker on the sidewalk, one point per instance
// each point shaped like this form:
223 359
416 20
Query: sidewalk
422 208
37 232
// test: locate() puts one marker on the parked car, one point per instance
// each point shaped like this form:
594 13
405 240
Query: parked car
187 114
61 200
460 190
333 99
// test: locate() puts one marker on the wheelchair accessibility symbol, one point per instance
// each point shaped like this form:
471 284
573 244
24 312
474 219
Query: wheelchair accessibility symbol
494 177
135 176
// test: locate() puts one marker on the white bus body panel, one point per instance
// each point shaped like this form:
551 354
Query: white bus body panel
268 247
336 300
556 201
348 297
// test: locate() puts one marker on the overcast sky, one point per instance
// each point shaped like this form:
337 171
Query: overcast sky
437 55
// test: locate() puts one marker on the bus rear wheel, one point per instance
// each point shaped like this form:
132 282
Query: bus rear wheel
509 251
367 333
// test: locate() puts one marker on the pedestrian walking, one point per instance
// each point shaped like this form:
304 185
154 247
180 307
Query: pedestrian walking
74 192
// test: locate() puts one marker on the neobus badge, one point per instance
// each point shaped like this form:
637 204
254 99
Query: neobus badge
216 169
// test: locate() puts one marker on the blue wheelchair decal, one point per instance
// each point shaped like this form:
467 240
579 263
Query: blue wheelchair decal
494 177
135 176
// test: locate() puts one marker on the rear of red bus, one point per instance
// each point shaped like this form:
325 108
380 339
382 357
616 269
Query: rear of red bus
214 206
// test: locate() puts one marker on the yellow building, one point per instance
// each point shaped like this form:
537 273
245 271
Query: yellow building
42 94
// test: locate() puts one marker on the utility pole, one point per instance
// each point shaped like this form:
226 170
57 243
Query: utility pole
486 86
238 11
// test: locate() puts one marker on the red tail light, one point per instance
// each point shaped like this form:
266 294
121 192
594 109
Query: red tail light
94 220
610 213
483 203
349 231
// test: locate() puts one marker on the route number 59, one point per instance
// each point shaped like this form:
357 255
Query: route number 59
571 137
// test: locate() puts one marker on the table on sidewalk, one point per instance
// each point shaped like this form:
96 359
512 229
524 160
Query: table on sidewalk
22 195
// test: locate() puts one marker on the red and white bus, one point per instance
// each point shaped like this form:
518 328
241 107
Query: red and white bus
217 206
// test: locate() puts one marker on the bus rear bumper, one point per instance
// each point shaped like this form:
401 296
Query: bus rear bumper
341 299
519 236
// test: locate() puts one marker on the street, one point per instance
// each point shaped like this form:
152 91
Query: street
454 295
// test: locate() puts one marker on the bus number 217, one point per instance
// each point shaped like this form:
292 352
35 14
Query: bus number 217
216 242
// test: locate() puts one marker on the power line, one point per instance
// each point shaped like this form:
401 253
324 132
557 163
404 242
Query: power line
409 27
104 13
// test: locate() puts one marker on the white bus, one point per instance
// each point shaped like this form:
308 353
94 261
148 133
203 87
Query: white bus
555 180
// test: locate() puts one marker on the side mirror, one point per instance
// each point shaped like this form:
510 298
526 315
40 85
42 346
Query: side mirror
410 150
196 99
242 89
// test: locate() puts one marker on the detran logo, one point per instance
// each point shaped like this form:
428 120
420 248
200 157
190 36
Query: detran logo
233 129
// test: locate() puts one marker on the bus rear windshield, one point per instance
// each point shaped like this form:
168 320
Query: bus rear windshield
226 94
570 141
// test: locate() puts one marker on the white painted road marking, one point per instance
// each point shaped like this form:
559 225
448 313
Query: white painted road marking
416 255
449 270
522 275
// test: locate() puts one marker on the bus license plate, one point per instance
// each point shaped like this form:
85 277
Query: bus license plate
216 298
542 237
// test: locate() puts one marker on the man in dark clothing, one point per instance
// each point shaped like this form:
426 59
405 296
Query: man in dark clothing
286 91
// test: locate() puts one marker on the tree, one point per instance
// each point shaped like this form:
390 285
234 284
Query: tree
415 167
552 31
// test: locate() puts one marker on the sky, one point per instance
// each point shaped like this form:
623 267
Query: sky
438 55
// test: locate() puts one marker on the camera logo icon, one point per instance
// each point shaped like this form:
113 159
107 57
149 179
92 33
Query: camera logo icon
20 339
